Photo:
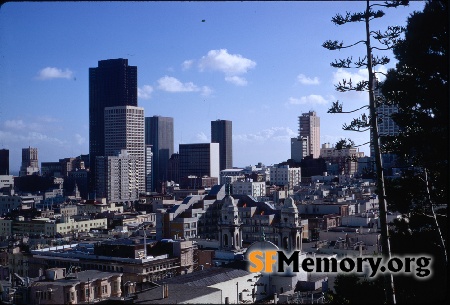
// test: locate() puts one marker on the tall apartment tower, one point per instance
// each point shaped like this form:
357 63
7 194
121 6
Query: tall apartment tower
309 126
4 161
117 176
124 130
30 164
112 83
221 132
159 133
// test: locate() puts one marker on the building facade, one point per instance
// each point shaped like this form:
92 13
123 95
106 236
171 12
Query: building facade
30 163
249 187
159 133
346 159
309 126
118 177
221 132
199 160
112 83
299 148
4 161
124 130
284 175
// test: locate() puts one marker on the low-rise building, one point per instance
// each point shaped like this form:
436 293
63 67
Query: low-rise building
82 287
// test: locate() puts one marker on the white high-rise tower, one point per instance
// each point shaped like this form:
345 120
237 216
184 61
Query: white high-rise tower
124 130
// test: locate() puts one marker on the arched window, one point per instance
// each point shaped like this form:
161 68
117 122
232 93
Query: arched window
286 243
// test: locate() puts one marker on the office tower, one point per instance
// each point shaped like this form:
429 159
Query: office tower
4 161
159 134
174 168
221 132
386 128
199 160
299 148
117 176
148 168
112 83
124 130
309 126
30 164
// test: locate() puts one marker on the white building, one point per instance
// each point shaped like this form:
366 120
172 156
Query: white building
125 129
6 181
285 175
230 175
117 177
249 187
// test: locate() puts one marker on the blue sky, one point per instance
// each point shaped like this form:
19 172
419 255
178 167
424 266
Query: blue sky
258 64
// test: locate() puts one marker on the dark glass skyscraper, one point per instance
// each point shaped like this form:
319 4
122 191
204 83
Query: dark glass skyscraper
221 132
4 161
159 134
112 83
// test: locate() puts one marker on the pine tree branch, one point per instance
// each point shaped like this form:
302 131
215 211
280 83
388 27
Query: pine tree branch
337 108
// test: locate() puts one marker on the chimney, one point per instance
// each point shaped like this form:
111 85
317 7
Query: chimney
165 290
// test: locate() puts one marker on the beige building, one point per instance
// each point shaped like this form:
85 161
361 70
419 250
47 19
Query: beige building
98 206
345 158
309 126
75 288
49 227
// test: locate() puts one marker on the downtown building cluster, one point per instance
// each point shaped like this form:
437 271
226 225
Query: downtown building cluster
133 216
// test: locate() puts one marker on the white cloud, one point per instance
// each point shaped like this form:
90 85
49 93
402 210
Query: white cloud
187 64
48 119
358 76
312 99
206 91
52 72
145 92
237 80
171 84
380 76
342 74
230 64
274 133
29 137
14 124
80 139
304 80
201 137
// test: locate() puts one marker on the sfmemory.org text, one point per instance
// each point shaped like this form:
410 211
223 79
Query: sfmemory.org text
276 261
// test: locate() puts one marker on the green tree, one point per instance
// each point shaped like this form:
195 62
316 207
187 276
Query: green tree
351 289
385 41
418 86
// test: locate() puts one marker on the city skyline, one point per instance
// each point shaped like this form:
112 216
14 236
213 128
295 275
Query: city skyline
192 66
